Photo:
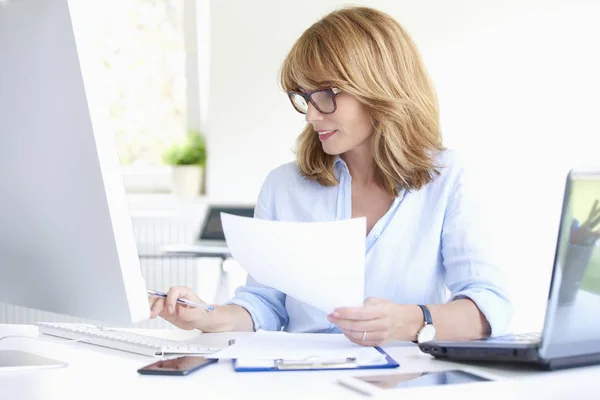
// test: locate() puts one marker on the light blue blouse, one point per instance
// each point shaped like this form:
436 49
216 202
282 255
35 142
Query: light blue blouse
429 248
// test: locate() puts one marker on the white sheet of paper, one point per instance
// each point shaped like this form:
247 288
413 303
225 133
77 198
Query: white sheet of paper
319 263
268 345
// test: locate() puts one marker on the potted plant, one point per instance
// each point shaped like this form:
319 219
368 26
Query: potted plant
188 160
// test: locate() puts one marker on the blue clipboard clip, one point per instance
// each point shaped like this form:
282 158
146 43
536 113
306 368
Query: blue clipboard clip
283 365
315 364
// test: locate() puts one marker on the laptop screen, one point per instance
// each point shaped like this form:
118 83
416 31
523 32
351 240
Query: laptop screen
212 229
572 323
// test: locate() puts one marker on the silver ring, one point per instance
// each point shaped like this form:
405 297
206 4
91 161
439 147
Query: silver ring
364 336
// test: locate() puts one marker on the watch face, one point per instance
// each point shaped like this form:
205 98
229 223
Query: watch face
426 334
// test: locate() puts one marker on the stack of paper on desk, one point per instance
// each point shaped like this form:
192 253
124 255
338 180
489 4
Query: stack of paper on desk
309 347
318 263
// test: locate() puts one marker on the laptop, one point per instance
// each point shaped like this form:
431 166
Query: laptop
211 238
571 331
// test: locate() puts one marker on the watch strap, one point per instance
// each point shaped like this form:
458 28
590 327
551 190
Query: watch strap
426 314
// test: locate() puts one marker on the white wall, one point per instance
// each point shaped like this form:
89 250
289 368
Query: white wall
518 83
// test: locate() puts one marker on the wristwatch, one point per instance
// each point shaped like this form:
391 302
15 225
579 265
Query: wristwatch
427 332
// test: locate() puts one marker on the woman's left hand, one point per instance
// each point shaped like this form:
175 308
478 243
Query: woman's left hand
378 321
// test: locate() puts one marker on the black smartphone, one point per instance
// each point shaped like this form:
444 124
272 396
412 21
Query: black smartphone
177 366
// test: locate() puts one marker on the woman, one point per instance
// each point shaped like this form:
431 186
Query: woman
371 147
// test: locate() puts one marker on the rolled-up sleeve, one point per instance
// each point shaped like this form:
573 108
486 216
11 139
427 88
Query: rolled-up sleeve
470 257
265 304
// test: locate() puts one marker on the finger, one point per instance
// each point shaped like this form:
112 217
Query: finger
357 325
363 313
164 314
151 301
157 307
366 343
351 338
175 293
188 322
189 314
371 301
372 339
187 293
376 336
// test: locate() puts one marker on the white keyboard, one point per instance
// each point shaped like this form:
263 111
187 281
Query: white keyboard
120 340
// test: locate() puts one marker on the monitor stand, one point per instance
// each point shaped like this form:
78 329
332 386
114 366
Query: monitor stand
17 360
12 359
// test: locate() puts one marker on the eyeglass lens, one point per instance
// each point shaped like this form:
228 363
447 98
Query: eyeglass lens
323 100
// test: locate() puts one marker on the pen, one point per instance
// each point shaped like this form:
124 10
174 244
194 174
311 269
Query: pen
181 301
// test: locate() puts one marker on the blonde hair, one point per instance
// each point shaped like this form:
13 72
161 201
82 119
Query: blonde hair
368 54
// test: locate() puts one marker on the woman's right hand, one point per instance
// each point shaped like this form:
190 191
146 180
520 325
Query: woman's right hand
182 316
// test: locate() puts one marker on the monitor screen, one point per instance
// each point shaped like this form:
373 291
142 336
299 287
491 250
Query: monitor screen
66 238
570 326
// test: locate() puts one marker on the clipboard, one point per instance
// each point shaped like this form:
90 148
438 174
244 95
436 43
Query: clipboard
295 365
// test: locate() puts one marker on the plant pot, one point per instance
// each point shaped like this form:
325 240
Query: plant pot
186 180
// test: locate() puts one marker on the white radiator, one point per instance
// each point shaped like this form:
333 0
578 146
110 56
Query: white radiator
204 276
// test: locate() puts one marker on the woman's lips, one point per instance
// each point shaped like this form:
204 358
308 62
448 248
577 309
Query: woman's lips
324 135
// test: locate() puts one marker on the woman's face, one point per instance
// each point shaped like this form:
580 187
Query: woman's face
346 129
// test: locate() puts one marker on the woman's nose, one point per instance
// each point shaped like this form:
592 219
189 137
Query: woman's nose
312 114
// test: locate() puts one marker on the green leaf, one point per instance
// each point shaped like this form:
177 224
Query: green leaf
191 152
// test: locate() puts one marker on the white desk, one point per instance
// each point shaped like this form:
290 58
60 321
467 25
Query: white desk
96 372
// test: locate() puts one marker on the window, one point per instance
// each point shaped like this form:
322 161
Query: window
140 48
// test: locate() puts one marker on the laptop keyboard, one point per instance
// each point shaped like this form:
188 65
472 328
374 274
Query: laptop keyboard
516 338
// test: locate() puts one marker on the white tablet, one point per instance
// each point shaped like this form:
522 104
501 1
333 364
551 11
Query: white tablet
377 384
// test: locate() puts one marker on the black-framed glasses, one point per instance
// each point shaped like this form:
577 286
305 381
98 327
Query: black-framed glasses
323 100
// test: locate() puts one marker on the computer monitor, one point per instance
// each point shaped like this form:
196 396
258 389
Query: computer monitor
66 239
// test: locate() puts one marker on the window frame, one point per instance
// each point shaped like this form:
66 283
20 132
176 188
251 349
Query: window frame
157 179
